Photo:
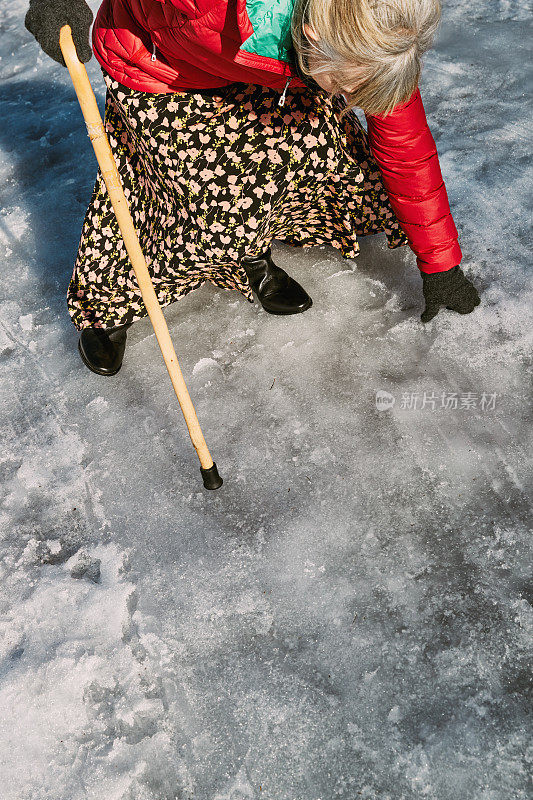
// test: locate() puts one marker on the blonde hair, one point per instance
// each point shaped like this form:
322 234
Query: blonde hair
374 46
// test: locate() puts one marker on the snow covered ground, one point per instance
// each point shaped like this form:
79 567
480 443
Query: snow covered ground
349 617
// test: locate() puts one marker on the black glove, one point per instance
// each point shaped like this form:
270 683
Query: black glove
45 19
450 289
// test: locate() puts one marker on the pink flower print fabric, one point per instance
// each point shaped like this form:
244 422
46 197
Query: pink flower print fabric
215 175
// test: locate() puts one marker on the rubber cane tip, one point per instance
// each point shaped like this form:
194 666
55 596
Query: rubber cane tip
211 478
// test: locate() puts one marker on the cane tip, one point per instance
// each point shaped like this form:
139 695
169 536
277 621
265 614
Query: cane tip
211 478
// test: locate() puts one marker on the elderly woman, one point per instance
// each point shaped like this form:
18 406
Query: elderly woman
231 123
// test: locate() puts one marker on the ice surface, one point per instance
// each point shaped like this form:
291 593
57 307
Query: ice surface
349 616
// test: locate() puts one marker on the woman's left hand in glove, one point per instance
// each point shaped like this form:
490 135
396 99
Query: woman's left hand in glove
450 289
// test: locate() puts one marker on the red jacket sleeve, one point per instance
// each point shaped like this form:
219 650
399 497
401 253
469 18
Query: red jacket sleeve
406 153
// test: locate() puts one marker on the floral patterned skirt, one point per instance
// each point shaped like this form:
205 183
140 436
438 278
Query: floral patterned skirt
214 175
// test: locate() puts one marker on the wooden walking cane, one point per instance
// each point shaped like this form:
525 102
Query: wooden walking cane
108 168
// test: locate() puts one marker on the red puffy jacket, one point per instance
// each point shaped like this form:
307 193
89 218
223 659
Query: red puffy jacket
170 45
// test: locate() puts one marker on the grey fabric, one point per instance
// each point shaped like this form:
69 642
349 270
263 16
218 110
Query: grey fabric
45 18
451 289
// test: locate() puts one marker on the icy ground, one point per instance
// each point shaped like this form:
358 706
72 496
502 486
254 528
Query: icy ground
349 617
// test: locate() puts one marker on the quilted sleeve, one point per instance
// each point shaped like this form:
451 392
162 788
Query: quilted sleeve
406 153
192 8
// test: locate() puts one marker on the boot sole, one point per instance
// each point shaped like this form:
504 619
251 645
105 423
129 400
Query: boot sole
287 313
93 369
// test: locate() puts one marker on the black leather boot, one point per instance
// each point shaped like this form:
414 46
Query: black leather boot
277 292
102 349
